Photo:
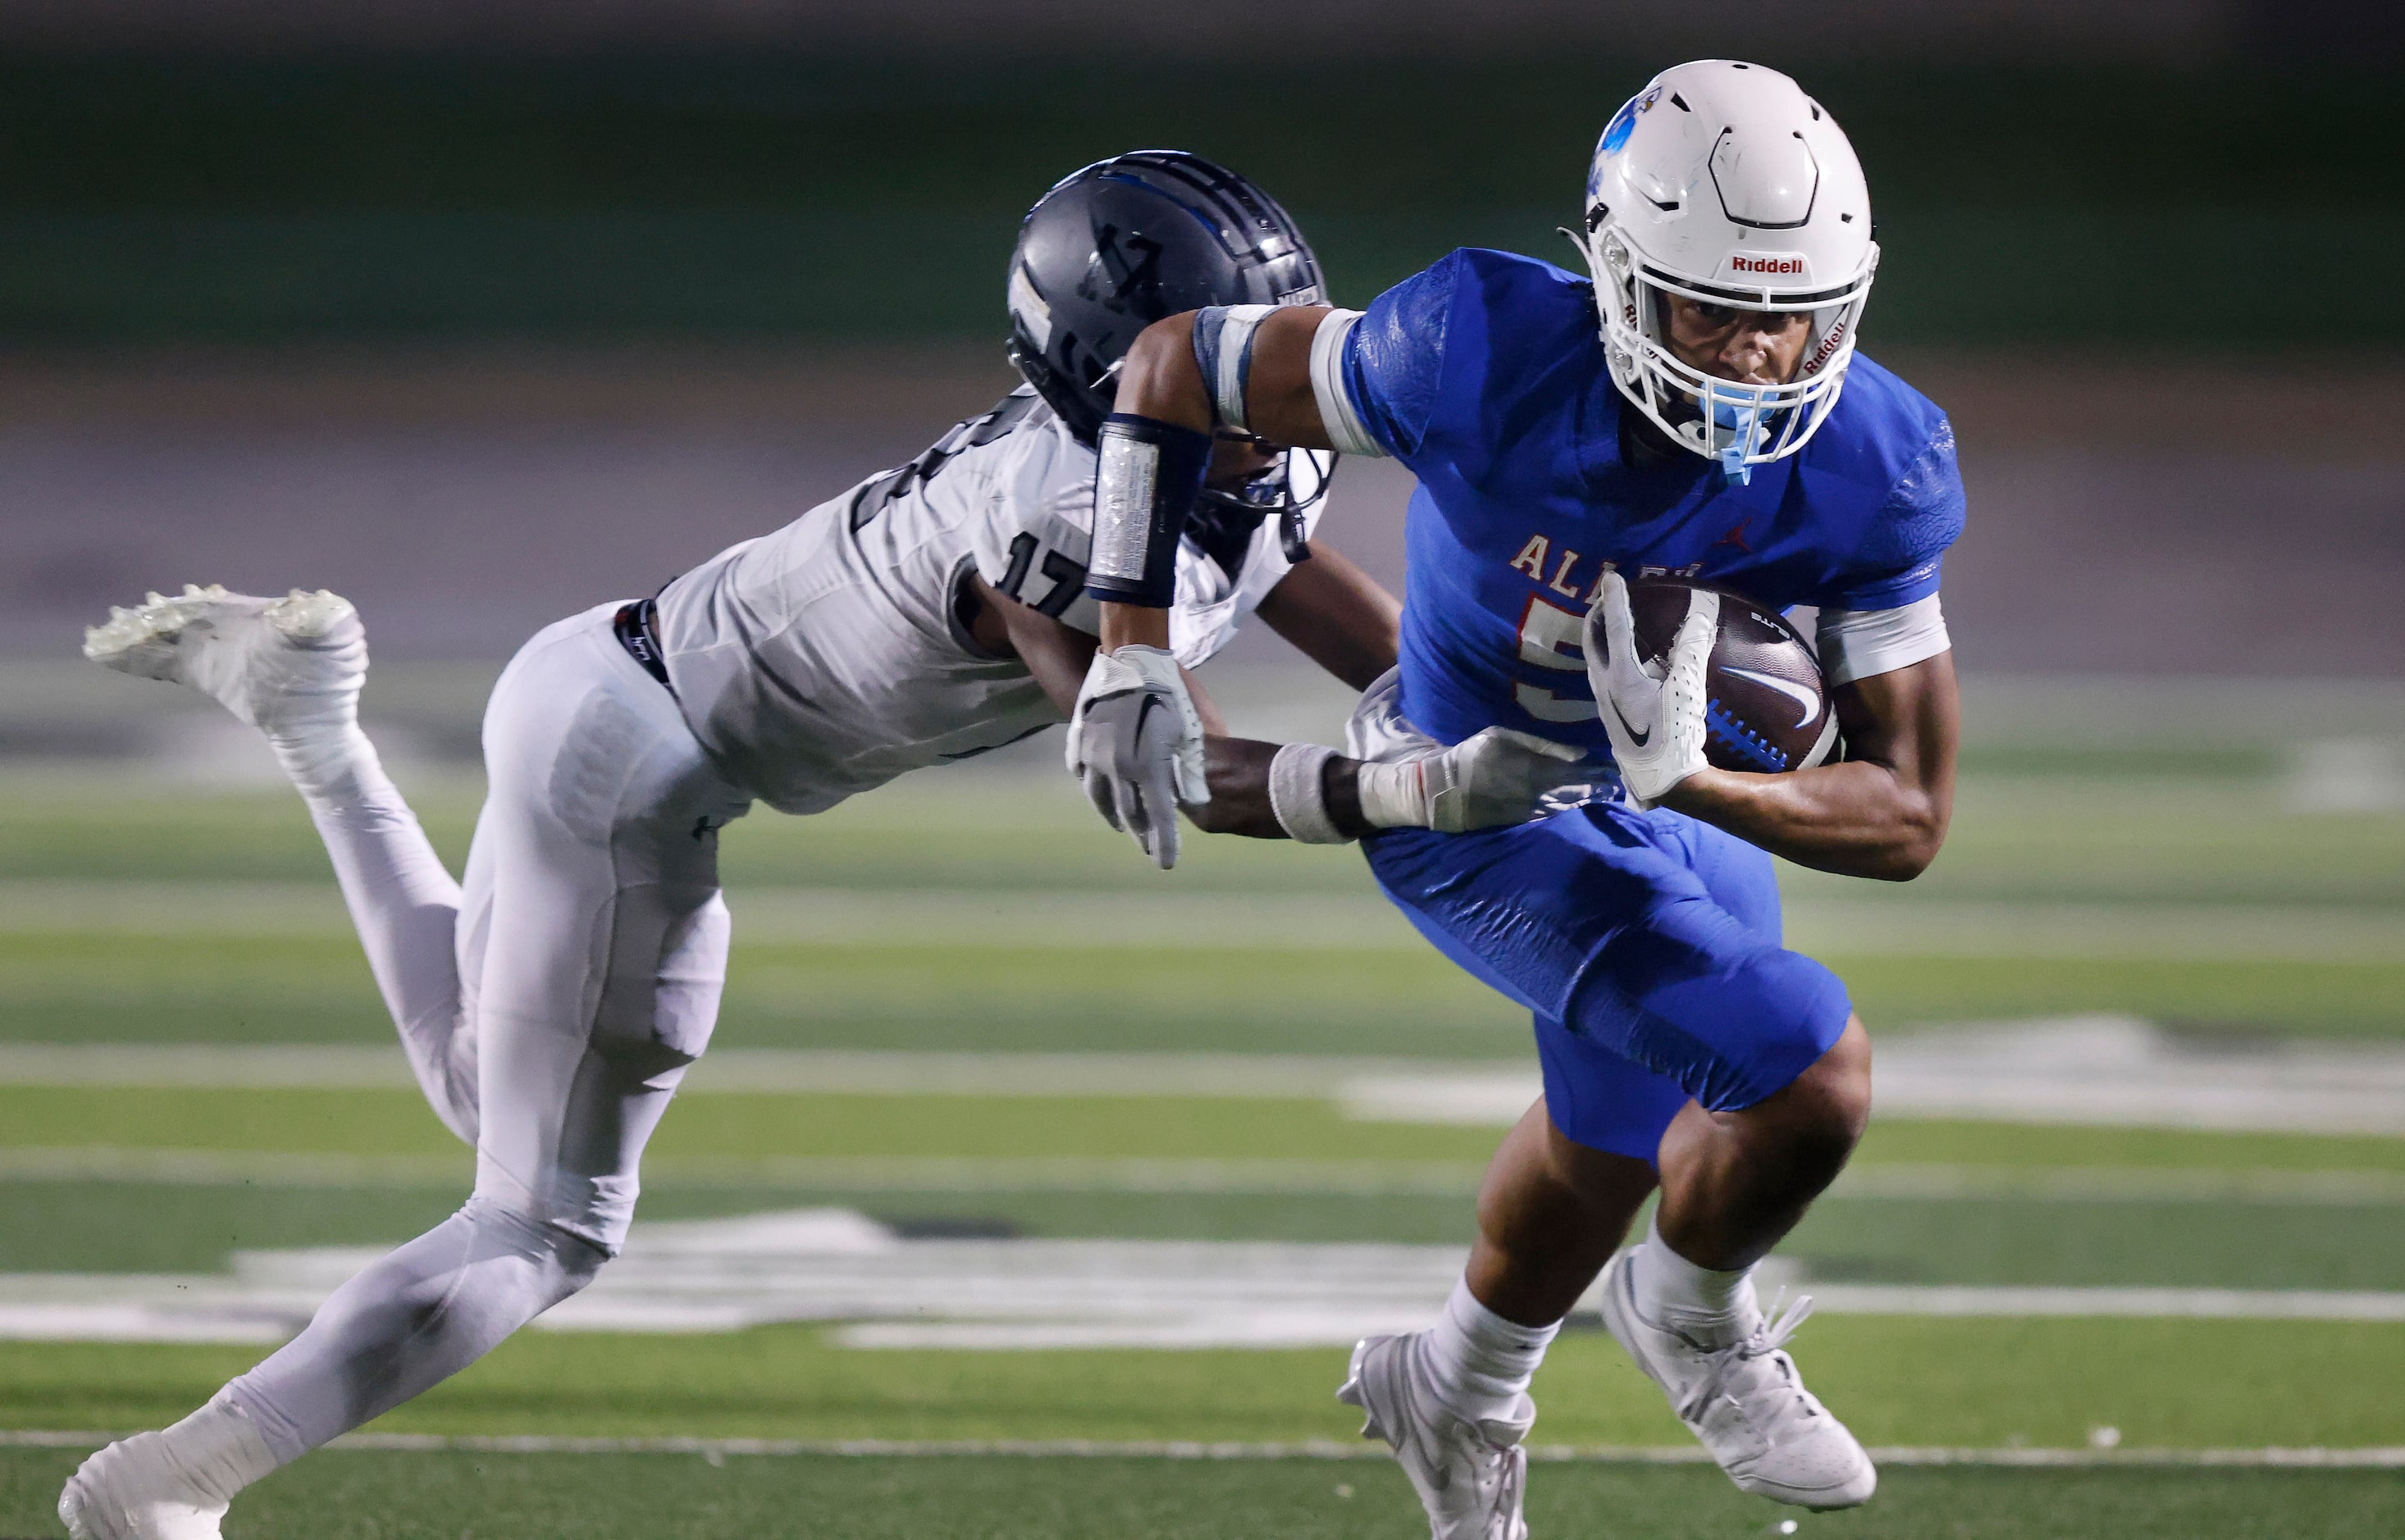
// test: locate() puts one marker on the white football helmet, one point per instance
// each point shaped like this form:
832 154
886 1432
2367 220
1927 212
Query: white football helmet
1724 183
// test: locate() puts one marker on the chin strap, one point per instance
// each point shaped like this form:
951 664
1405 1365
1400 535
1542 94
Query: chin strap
1293 539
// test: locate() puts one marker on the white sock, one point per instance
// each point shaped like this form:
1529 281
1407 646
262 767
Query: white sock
1710 1306
220 1450
1480 1364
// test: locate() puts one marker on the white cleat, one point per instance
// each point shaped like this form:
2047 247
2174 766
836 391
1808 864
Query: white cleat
137 1490
1470 1475
1746 1402
288 665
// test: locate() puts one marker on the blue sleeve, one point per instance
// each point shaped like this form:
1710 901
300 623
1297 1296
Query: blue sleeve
1394 357
1899 560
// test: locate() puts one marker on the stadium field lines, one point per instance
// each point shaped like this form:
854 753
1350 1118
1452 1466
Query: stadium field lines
1086 1176
736 1127
2096 1456
1857 924
383 1494
2015 838
1971 1383
84 987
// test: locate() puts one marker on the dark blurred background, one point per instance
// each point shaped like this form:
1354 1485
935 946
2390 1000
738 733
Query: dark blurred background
484 312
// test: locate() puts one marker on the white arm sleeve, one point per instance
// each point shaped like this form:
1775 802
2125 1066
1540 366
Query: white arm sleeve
1856 644
1345 434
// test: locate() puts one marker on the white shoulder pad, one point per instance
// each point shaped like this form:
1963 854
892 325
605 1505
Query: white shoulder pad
1857 644
1344 430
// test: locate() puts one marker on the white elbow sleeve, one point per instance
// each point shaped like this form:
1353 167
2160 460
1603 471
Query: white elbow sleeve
1345 433
1856 644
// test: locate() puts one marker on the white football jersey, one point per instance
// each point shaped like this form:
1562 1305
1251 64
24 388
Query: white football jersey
829 657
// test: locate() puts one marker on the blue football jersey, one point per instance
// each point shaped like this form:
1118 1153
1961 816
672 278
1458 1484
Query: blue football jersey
1485 375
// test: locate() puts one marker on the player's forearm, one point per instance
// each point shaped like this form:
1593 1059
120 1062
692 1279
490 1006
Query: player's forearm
1239 773
1858 818
1162 381
1133 625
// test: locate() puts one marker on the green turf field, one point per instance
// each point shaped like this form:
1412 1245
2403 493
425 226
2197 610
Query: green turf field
2193 900
989 914
363 1495
1953 1383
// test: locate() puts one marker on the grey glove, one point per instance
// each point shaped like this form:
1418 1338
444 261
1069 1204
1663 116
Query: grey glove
1135 744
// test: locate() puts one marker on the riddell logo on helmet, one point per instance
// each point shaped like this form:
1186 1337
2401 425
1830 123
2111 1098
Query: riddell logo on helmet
1766 265
1829 345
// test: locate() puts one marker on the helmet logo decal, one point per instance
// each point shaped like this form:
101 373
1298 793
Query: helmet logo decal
1767 263
1133 280
1623 122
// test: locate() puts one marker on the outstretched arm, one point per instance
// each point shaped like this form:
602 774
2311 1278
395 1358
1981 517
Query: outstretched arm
1252 374
1494 777
1238 768
1880 813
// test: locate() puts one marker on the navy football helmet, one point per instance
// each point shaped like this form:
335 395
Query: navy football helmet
1117 245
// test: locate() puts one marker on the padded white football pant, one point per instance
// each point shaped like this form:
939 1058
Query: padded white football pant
549 1011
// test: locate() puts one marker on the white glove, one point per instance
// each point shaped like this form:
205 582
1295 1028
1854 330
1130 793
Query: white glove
1493 777
1136 744
1654 716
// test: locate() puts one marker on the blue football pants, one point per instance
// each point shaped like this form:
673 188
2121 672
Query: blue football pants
1646 945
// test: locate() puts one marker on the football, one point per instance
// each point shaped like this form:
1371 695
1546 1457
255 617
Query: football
1768 707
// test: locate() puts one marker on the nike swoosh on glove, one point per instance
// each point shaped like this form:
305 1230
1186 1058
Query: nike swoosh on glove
1492 777
1135 744
1652 714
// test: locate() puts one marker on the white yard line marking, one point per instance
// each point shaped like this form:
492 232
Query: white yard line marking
1922 926
176 1066
837 1267
2121 1184
2375 1457
2103 1070
1104 1174
826 915
895 1173
753 1071
2191 1304
1338 921
2112 1070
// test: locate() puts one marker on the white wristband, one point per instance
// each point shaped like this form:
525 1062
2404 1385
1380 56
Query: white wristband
1299 794
1395 795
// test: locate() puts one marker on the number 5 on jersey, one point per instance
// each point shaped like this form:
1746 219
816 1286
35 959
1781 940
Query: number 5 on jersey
1549 640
